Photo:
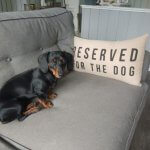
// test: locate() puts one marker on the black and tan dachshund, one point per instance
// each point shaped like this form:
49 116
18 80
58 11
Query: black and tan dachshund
31 91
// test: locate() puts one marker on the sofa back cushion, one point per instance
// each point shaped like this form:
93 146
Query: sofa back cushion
120 60
23 34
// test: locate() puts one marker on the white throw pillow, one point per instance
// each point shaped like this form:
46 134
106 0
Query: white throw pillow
120 60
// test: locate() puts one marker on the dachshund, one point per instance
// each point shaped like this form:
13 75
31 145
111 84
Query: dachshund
31 91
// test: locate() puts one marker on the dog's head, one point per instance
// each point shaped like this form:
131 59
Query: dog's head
56 62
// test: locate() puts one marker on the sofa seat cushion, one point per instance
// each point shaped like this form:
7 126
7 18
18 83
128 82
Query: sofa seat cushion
90 113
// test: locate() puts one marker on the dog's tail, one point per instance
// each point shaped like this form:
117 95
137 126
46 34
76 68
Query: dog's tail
9 111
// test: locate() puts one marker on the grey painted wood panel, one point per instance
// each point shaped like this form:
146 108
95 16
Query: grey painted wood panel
134 24
112 25
1 7
137 4
140 3
148 4
139 25
85 23
4 5
144 26
144 3
93 24
123 24
132 3
102 25
115 24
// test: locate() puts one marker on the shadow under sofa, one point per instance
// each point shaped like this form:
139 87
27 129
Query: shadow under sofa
90 112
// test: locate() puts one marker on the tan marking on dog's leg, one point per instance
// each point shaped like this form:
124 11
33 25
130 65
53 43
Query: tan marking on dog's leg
31 111
49 104
31 105
51 95
45 104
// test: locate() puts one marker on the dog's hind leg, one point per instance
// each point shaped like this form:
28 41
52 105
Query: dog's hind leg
27 113
34 107
31 111
10 111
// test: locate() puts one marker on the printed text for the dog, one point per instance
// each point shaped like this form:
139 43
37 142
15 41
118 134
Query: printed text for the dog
101 55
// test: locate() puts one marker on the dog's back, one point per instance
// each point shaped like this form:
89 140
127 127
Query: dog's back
18 86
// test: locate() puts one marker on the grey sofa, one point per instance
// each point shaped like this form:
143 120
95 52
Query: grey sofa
90 113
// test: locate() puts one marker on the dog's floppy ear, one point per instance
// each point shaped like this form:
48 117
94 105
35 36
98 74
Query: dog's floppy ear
43 64
69 59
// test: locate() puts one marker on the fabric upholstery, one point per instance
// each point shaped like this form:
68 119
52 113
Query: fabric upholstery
120 60
146 66
3 146
90 112
22 34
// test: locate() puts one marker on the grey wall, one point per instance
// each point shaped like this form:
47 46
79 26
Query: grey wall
15 5
6 5
19 4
